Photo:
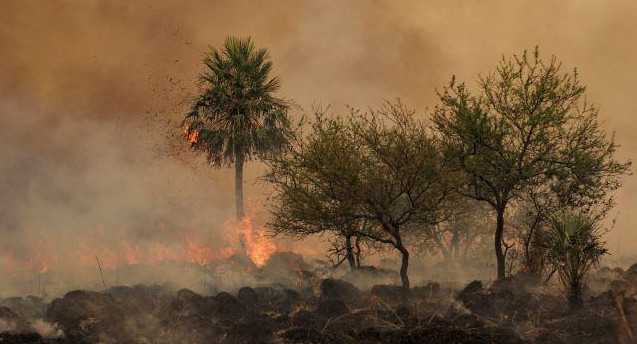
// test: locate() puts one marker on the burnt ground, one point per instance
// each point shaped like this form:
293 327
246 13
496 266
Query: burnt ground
516 310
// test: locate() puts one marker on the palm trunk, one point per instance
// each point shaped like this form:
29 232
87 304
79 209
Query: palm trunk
238 185
575 298
499 232
238 195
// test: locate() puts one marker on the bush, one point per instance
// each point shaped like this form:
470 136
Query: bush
573 245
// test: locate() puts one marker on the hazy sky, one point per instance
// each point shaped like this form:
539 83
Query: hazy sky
91 91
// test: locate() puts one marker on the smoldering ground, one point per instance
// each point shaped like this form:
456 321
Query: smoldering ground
92 93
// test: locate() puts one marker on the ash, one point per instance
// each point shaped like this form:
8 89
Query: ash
311 309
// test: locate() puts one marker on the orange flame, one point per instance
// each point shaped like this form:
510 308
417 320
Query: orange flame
190 135
115 247
192 249
42 257
257 245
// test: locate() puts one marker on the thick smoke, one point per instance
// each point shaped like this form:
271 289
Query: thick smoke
91 94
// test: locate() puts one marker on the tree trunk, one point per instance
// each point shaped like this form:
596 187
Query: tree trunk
527 249
535 257
455 246
575 297
404 266
358 251
499 232
350 253
238 194
446 253
533 254
238 185
466 247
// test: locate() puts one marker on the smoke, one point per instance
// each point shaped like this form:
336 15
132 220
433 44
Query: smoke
45 329
7 326
91 94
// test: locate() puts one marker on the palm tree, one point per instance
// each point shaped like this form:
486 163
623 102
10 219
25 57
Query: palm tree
573 245
236 116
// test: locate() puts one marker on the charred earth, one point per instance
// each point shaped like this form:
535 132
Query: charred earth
515 310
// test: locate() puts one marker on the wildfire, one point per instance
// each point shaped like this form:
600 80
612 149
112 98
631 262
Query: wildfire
40 258
117 247
193 247
190 249
200 253
190 135
257 245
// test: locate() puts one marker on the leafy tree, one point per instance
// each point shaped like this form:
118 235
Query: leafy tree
347 246
573 245
531 219
236 116
528 128
460 233
379 167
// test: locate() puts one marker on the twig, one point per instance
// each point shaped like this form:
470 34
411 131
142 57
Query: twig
101 273
390 308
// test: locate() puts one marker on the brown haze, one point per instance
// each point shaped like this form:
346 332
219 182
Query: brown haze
91 93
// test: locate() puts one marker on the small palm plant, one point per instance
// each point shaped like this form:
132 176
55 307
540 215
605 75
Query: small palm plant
573 245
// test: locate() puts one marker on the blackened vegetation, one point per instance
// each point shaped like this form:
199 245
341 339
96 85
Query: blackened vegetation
512 310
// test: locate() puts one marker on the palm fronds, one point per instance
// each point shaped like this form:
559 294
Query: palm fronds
573 245
236 115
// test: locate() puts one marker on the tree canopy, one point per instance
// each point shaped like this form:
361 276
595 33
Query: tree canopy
236 115
379 166
528 129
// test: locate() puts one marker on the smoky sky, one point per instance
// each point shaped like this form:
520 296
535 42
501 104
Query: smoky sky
91 92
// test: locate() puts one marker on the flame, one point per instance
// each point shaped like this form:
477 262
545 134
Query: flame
116 247
40 258
190 135
201 254
191 248
257 245
133 254
9 261
163 253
